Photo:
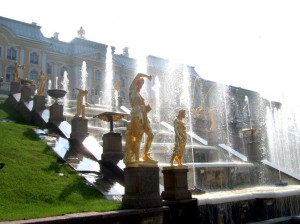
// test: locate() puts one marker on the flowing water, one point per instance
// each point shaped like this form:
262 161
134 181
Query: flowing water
108 88
284 138
65 85
84 76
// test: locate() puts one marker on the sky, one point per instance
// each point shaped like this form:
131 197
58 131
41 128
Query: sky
252 44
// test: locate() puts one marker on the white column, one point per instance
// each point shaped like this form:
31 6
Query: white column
90 80
44 62
22 60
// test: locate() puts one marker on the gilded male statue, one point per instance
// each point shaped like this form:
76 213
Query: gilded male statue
140 123
42 84
81 101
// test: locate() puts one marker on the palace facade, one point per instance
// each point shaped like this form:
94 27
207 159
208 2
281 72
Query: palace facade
25 44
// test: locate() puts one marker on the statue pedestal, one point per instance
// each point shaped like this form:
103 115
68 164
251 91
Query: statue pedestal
177 196
79 128
25 93
175 183
32 89
112 147
15 87
142 187
56 113
39 103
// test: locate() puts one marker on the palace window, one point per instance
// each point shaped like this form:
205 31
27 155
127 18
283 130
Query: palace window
33 76
11 53
9 74
34 58
98 75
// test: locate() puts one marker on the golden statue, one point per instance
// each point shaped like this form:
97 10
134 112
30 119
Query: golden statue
130 149
42 84
16 71
180 138
81 100
140 123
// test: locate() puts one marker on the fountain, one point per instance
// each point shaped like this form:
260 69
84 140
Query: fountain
278 142
112 141
49 87
65 84
156 89
84 76
108 78
57 94
216 164
56 109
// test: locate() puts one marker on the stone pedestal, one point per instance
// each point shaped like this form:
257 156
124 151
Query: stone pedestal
142 187
14 99
79 128
15 87
183 211
112 147
175 183
183 208
56 113
33 89
25 109
25 93
39 103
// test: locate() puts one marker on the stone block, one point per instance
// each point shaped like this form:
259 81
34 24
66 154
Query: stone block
175 183
39 103
142 187
25 93
15 87
56 113
112 147
79 128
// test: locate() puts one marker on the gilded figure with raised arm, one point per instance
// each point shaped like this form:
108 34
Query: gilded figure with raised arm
140 123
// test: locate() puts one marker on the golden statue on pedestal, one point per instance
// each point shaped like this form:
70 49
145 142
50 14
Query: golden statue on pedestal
81 101
139 124
42 84
180 138
16 71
